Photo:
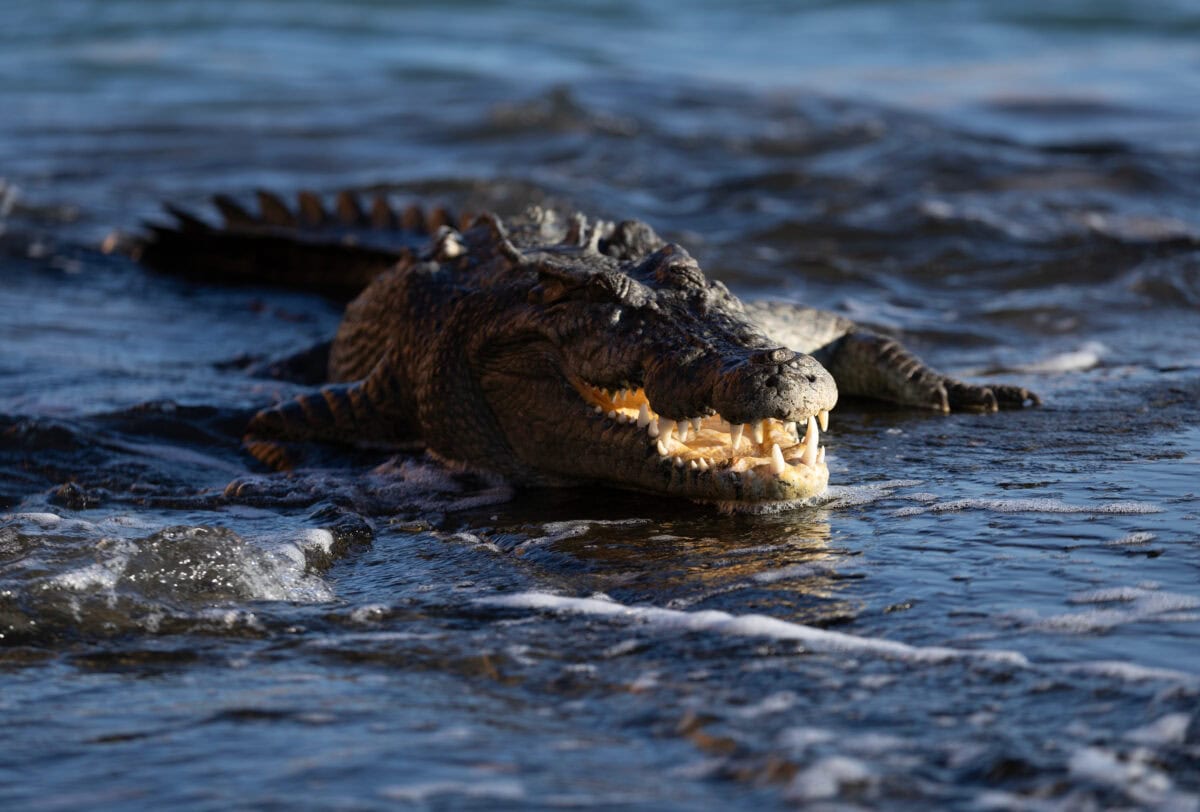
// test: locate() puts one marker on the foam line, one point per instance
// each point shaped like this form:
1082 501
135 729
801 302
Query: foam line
818 640
717 622
1030 506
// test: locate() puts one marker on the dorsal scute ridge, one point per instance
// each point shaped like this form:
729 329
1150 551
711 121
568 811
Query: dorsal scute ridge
308 215
447 244
588 236
575 230
498 241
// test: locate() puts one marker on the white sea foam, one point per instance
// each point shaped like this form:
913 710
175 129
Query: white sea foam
179 565
1029 506
229 618
317 537
814 639
828 777
117 525
93 577
1137 604
1138 227
1167 730
369 613
841 496
475 539
801 738
1134 773
1131 540
770 705
357 640
43 520
278 578
1148 594
821 640
560 531
1089 355
497 789
793 572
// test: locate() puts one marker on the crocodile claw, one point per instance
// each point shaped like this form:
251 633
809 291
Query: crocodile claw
1014 397
969 397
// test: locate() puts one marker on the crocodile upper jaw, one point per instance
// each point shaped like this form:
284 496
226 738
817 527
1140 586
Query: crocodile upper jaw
765 461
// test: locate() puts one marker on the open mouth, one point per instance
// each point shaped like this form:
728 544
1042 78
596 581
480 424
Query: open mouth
767 449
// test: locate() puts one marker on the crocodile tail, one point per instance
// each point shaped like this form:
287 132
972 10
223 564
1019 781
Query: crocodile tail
333 250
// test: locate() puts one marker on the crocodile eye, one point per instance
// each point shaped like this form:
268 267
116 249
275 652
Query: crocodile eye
548 290
681 274
607 286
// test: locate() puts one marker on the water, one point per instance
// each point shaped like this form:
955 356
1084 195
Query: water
987 611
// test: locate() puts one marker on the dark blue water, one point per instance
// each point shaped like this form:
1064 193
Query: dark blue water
986 611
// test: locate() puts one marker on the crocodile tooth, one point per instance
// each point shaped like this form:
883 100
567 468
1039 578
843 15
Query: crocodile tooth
778 465
811 442
683 430
597 408
643 418
823 419
612 414
735 436
697 422
666 428
790 428
652 428
756 430
703 464
821 455
693 464
662 449
678 462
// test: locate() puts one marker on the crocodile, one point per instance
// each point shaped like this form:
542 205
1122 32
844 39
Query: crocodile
553 349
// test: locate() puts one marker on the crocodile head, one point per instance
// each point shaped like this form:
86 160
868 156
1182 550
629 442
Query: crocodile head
625 366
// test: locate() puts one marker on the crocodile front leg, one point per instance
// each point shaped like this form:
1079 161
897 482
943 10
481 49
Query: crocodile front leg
369 411
870 365
866 364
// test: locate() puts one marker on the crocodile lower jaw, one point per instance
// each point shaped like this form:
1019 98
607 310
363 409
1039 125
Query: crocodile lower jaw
764 461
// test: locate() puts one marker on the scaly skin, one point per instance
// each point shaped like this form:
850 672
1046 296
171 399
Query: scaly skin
554 351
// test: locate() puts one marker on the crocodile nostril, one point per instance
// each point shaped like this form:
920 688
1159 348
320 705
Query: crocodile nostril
812 378
779 355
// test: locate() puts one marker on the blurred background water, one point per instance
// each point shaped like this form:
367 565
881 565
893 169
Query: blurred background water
987 611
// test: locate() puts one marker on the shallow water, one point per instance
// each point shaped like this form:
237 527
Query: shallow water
985 611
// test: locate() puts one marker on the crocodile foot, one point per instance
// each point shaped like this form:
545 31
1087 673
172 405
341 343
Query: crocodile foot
963 396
